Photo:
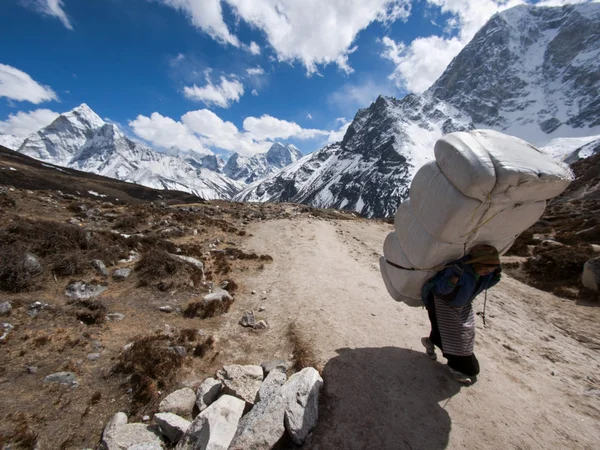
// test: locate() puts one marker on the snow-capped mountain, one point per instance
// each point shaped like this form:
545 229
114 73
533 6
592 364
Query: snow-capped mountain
11 142
261 165
533 72
81 140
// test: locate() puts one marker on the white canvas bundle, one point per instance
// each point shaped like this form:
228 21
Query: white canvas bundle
484 188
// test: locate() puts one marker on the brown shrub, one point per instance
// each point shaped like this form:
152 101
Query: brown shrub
72 264
563 263
202 348
90 312
17 272
303 354
159 267
46 238
205 309
22 434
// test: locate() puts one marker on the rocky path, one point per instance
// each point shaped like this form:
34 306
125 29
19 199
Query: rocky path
540 355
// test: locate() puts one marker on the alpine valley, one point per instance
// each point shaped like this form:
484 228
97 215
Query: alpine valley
533 72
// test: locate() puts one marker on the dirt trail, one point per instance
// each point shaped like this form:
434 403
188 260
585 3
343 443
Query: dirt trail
540 356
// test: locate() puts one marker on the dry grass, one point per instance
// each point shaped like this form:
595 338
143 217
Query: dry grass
303 354
206 309
157 267
21 435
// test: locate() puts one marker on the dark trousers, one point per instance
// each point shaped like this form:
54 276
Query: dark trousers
464 364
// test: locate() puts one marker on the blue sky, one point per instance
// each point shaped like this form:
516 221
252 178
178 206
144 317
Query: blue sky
230 75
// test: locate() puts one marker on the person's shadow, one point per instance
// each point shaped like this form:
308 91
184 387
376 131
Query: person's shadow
383 398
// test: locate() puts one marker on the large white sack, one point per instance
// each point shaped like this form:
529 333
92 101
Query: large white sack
394 253
422 250
404 285
486 163
441 209
504 222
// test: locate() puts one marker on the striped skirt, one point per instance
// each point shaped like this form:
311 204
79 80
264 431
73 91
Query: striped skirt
457 328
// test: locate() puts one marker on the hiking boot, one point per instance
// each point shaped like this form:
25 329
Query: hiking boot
460 377
429 348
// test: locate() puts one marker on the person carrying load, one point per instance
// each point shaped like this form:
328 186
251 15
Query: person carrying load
448 297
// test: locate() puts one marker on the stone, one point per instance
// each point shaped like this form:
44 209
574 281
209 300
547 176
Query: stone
31 369
302 403
80 290
549 243
214 427
261 309
93 356
172 426
253 292
219 295
207 393
146 418
277 364
68 378
189 260
241 381
591 274
180 402
100 267
179 350
121 274
5 308
263 426
6 329
247 319
32 264
115 317
261 325
120 435
166 309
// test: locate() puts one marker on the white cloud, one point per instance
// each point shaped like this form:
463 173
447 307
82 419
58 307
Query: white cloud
25 123
165 132
206 15
253 71
350 95
17 85
223 94
308 116
314 32
268 127
53 8
254 48
254 92
338 135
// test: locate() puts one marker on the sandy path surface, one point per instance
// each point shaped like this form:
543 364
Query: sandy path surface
540 356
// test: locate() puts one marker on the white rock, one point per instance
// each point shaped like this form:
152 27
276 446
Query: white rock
595 248
166 309
241 381
207 393
5 308
100 267
247 319
118 436
302 403
67 378
591 274
180 402
172 426
261 325
214 427
278 364
189 260
121 274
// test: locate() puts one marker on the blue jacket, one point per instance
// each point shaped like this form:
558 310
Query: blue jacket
469 285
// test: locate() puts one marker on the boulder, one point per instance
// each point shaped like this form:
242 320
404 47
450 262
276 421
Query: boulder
172 426
207 393
80 290
241 381
247 319
214 427
5 308
180 402
100 267
277 364
591 274
302 403
121 274
189 260
67 378
220 295
119 435
263 426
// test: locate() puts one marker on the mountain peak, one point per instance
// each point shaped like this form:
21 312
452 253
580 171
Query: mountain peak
86 116
280 155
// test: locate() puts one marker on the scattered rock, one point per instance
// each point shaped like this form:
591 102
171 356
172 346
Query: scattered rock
189 260
73 221
5 308
166 309
6 330
128 346
68 378
302 408
180 402
263 426
261 325
115 317
595 248
100 267
172 426
278 364
247 319
253 292
80 290
32 264
241 381
178 349
35 308
145 418
214 427
93 356
549 243
207 393
219 295
31 369
261 309
120 435
591 274
121 274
